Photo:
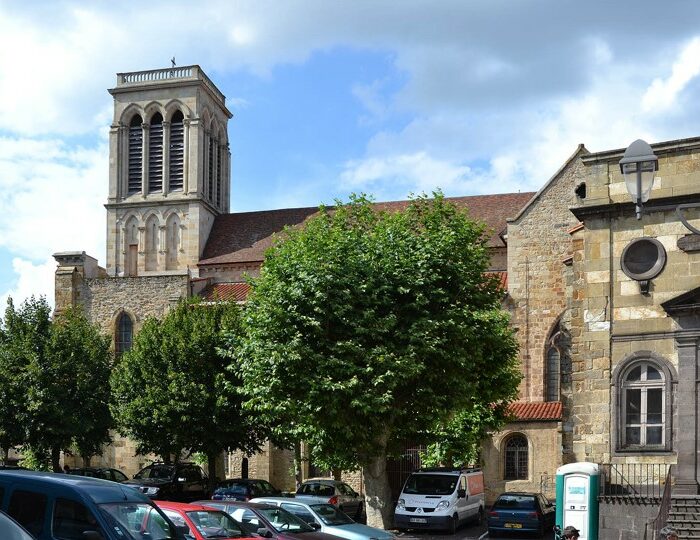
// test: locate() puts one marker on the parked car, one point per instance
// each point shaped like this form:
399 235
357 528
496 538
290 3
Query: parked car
335 492
269 521
11 530
440 498
244 489
182 482
115 475
522 512
203 522
53 506
328 519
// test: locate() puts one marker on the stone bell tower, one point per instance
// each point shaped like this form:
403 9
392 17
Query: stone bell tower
169 170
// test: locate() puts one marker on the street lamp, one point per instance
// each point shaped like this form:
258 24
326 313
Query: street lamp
638 165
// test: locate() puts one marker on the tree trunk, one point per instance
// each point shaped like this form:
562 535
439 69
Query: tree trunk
56 458
5 455
86 460
211 468
297 465
377 493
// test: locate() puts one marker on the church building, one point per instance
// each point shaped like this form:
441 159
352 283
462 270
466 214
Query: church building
609 352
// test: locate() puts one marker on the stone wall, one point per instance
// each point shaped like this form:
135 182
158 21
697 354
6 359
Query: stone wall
538 244
544 456
624 520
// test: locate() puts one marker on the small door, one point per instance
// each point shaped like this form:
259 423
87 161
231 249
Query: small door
132 260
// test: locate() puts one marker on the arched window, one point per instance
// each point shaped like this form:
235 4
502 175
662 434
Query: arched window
124 334
134 183
553 374
172 242
177 151
219 165
515 458
643 406
151 262
155 154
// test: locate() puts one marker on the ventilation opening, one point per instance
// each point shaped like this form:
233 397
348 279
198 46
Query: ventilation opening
219 162
155 154
135 155
177 151
581 190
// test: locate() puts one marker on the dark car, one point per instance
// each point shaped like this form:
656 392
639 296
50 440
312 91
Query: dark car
244 489
269 521
183 482
522 512
105 473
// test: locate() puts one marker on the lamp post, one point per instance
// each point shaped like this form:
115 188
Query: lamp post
638 165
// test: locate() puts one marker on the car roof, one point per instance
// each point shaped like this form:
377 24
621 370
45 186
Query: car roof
520 494
98 490
184 507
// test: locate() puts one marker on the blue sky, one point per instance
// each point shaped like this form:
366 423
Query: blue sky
332 97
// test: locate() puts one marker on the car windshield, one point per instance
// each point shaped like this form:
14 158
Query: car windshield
236 489
215 524
158 471
431 484
524 502
285 522
137 521
330 515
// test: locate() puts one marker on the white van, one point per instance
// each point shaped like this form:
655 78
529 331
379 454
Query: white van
440 498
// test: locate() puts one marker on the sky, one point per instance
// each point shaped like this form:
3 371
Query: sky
332 97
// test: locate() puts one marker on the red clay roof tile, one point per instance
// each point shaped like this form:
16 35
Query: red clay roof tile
225 292
528 411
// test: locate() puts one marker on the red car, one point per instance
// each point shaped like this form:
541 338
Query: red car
203 522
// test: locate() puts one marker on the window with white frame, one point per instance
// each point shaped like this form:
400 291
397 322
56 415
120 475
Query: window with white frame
643 406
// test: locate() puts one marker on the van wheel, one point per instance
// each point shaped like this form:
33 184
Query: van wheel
454 522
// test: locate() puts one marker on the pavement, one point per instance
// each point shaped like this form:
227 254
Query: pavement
466 532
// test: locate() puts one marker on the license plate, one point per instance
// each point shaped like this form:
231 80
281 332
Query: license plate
418 520
514 525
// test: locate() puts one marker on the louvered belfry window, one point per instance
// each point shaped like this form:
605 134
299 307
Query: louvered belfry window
177 151
219 163
210 184
135 155
155 154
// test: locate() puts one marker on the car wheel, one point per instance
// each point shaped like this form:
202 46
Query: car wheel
453 524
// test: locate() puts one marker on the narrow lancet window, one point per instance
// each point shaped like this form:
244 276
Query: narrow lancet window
177 151
155 154
135 156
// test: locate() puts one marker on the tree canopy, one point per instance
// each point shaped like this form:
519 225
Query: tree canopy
172 391
369 329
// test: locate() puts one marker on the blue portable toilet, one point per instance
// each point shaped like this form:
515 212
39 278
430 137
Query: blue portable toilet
577 498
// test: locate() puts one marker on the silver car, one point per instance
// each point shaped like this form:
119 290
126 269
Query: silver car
335 492
328 519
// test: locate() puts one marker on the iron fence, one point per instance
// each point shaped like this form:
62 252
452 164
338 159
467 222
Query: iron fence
634 480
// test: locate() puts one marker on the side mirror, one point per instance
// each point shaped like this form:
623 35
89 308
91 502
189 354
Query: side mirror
262 531
462 493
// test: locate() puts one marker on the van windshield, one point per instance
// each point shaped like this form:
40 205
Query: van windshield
431 484
137 521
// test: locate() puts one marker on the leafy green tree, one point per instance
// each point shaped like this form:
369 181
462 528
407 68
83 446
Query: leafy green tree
369 329
172 391
78 347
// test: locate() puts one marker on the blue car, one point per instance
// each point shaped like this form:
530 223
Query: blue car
521 512
328 519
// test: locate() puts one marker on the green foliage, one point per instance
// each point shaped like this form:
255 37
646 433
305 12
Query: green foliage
368 329
35 460
172 391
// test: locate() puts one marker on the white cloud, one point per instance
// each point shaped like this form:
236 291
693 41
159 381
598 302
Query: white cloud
32 280
662 93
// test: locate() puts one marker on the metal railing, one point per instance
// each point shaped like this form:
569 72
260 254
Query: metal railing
634 480
159 75
654 526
